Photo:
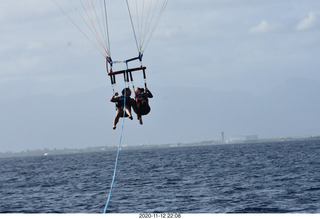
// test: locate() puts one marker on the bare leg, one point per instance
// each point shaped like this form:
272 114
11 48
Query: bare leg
128 112
116 119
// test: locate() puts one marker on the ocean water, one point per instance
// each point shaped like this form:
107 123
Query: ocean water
278 177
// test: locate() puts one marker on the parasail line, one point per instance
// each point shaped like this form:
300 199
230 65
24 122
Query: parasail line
97 36
132 24
74 23
156 23
99 25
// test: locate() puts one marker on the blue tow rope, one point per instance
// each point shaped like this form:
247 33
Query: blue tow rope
116 163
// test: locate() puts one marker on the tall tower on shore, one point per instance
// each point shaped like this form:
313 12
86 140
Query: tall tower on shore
222 137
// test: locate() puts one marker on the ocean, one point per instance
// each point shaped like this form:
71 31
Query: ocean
275 177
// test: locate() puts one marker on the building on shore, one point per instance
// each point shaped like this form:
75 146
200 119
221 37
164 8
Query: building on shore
242 138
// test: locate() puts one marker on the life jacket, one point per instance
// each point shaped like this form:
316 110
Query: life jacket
122 100
143 107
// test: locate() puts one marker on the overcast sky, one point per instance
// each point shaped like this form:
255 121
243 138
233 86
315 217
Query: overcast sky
202 48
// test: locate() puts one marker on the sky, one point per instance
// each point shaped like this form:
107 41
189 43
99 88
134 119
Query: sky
242 67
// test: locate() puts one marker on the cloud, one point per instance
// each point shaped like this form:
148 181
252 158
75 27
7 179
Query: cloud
11 13
307 22
34 45
28 62
263 27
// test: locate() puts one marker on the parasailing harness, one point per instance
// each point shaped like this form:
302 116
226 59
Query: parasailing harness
127 73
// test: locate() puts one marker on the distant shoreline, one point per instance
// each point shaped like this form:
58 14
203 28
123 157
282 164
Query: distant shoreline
48 152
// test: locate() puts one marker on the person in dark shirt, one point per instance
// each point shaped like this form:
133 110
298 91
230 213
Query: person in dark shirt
123 105
141 106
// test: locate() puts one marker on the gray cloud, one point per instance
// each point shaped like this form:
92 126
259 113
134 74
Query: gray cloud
201 46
